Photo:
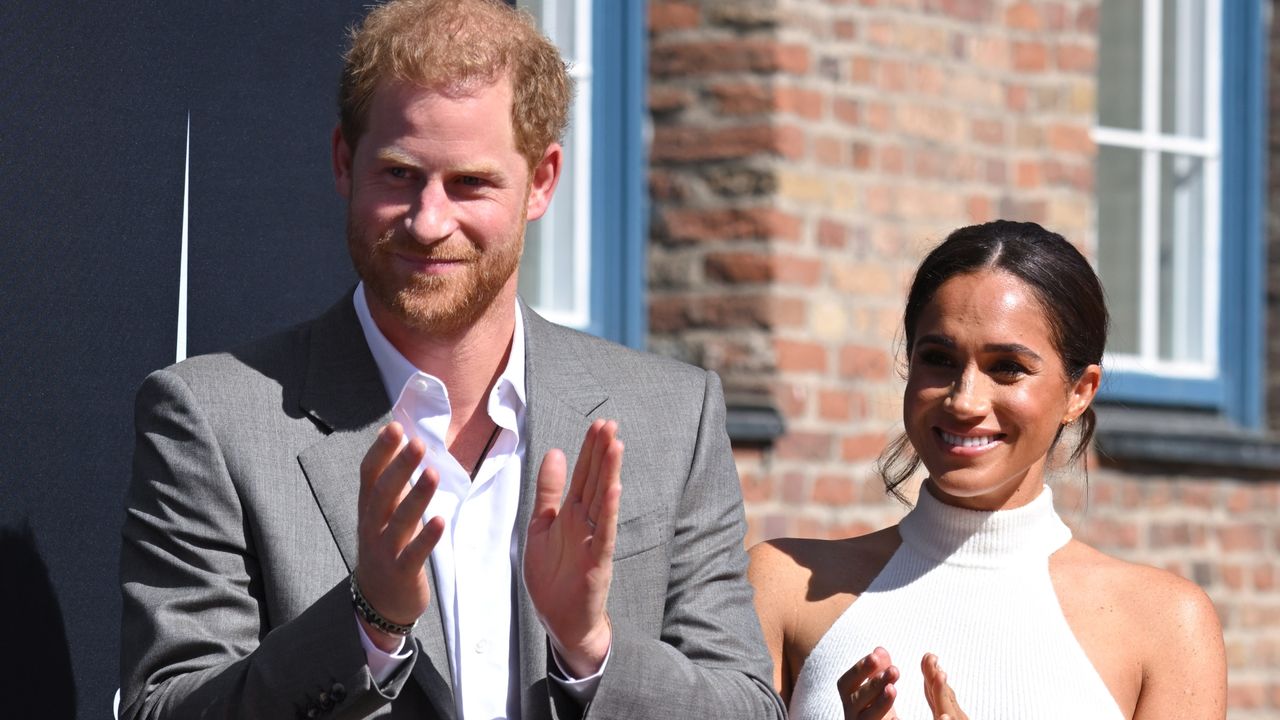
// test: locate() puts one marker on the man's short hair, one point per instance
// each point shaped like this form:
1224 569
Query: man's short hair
459 46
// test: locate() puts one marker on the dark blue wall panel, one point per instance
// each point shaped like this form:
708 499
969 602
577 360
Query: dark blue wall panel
96 98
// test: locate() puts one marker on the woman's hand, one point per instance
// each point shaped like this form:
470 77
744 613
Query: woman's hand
867 688
942 699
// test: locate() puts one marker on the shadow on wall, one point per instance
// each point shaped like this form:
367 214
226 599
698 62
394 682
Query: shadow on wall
39 682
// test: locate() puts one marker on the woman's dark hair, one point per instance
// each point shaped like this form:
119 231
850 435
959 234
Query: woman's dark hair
1062 280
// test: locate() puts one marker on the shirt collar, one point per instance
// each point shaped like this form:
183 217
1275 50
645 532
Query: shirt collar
396 370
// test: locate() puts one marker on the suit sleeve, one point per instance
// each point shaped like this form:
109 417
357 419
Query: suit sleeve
711 660
195 640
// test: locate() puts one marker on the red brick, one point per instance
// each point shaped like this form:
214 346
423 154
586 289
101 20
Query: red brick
1232 575
1022 16
834 490
847 111
685 225
665 16
1076 58
743 98
790 141
805 103
794 484
800 356
1087 19
1245 696
735 311
832 234
1027 174
845 29
879 116
861 155
1015 97
793 59
1264 577
988 131
739 267
862 447
701 56
665 98
966 10
1236 538
880 33
800 271
756 486
1070 139
979 209
864 363
668 313
862 70
699 144
792 400
893 76
893 160
800 445
1030 56
835 404
828 151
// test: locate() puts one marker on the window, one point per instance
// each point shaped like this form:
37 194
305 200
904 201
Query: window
1178 194
584 260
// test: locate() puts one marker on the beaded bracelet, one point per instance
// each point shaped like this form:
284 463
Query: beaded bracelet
373 617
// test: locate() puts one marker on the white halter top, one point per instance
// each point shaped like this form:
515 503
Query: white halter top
973 588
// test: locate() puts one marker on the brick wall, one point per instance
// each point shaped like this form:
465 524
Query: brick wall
805 154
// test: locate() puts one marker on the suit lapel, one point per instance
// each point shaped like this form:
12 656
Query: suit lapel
563 399
343 393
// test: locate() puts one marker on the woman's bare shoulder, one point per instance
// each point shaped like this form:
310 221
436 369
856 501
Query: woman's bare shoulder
1144 591
815 569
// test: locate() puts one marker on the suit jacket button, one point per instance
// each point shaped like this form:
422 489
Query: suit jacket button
338 692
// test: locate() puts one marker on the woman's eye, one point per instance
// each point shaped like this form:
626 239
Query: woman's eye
1008 368
935 358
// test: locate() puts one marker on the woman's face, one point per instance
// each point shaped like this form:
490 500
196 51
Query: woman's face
987 391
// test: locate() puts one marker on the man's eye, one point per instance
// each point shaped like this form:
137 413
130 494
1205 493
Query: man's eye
470 181
398 172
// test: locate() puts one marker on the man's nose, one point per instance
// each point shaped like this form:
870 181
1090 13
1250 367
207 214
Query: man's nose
968 396
432 216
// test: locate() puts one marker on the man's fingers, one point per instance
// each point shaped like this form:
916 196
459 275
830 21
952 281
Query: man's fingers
546 503
582 466
419 548
376 459
390 485
873 662
407 517
604 508
604 433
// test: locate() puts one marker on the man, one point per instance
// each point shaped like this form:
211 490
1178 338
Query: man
368 515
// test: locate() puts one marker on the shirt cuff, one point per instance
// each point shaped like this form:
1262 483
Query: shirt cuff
583 690
382 664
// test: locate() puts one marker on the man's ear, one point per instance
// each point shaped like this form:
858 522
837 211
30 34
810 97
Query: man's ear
543 180
342 153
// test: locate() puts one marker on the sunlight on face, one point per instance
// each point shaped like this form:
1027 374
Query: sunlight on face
986 391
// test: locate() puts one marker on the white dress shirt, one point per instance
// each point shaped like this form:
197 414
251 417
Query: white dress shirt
476 562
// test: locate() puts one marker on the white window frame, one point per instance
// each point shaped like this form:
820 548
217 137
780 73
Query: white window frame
550 232
1154 144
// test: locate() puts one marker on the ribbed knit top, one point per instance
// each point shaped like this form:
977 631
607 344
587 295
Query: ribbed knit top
973 588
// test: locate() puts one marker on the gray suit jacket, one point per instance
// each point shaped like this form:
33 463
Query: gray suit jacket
241 521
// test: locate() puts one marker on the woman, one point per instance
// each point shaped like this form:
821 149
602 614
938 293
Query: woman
1005 327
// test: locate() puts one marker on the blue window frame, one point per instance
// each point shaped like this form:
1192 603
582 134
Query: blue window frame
584 263
1161 177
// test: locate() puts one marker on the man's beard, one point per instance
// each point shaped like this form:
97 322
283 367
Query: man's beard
438 305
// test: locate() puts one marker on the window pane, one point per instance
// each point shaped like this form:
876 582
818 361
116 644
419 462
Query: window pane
547 278
1119 242
1120 64
1182 261
1182 69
